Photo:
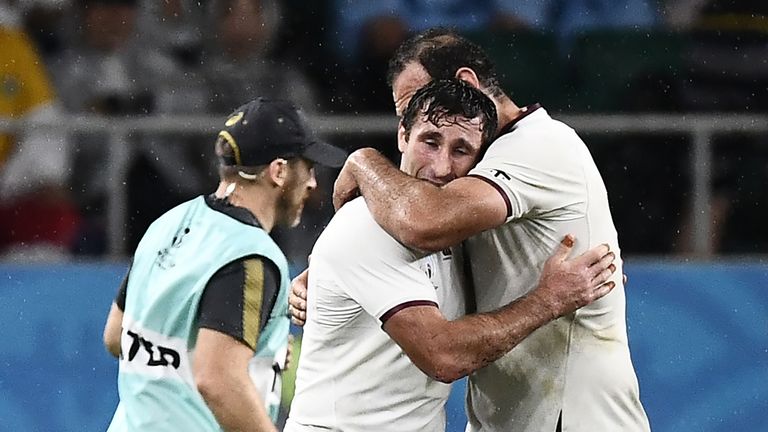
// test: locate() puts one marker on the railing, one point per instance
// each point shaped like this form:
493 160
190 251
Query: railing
699 127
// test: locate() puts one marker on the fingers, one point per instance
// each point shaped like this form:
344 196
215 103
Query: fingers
298 317
604 275
603 289
593 255
299 284
297 303
299 289
297 299
564 248
297 307
598 269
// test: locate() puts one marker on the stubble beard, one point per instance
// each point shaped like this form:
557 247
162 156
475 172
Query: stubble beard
289 210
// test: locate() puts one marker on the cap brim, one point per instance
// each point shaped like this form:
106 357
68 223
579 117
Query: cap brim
325 154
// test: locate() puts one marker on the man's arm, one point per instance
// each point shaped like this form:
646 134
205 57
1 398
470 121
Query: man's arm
233 311
448 350
113 328
221 375
418 213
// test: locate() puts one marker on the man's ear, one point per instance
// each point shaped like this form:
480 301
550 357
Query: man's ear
402 139
278 171
468 75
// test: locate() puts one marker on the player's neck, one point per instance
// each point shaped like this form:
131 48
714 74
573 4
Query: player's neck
258 200
507 111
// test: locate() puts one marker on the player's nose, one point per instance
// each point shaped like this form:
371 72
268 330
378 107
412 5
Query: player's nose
442 167
312 181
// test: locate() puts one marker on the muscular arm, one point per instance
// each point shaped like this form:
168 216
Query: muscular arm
221 374
418 213
448 350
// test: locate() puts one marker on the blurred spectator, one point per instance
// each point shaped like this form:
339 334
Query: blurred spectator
726 67
237 63
170 34
174 26
680 14
100 72
38 217
109 70
366 35
727 59
383 25
577 16
47 24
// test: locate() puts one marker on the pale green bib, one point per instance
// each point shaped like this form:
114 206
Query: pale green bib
173 263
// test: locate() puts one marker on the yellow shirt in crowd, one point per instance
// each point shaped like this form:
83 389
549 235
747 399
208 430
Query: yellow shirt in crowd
24 84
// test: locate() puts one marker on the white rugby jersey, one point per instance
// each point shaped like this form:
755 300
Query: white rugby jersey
351 375
580 363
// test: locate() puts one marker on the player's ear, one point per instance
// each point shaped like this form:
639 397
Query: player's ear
468 75
278 171
402 138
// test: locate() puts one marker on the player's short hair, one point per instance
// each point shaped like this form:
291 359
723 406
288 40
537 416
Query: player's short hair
442 51
442 100
231 173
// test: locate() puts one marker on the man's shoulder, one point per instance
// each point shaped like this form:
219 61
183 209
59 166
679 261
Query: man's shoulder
353 231
353 217
539 138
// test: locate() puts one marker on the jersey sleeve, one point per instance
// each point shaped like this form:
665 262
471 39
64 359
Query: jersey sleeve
528 178
371 267
239 297
122 291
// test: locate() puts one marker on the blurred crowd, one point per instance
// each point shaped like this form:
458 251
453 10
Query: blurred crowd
173 57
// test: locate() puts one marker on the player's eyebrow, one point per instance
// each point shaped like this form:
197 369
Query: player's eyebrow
435 135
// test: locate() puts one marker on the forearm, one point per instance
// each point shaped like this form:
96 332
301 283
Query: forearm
221 374
237 406
472 342
406 207
447 351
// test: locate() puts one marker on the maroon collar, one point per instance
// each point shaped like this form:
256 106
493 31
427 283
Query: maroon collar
525 112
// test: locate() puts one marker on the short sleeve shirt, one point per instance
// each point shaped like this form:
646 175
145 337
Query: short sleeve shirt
352 375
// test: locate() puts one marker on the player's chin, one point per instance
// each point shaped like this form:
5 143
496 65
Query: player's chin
296 220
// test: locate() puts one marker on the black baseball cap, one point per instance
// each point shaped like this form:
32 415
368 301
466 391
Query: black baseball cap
265 129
